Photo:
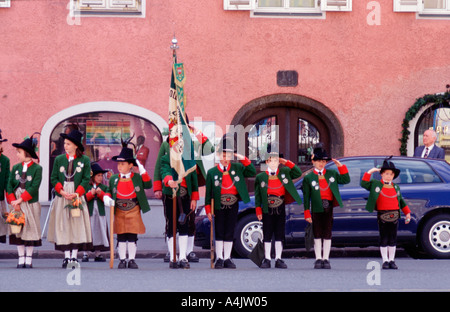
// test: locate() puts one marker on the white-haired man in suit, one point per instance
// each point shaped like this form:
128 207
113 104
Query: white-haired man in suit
429 149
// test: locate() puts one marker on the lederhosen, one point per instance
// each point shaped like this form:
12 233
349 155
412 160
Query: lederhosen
183 207
275 220
387 219
323 221
226 216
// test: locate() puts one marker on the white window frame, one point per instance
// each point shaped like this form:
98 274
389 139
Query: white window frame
336 5
418 7
108 8
5 3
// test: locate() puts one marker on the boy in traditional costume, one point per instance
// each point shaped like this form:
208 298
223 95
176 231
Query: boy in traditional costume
320 195
23 195
225 183
4 177
97 214
385 197
273 190
70 178
126 192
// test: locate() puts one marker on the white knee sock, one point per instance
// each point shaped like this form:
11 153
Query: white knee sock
183 241
384 253
318 248
219 249
227 248
29 253
267 249
278 249
326 249
21 253
67 254
190 245
122 250
74 253
131 250
391 252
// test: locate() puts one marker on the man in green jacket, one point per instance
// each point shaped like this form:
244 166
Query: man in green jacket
320 195
273 189
225 183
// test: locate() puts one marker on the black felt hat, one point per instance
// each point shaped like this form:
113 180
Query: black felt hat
29 145
1 139
126 154
389 165
95 168
75 137
273 150
320 153
226 145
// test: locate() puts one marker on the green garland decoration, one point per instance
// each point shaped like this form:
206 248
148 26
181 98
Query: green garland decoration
441 100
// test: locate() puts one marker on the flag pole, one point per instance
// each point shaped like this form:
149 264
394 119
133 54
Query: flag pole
174 48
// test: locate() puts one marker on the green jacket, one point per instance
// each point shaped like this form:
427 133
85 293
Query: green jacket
374 187
34 178
92 198
139 187
285 175
311 190
82 173
4 175
167 173
238 173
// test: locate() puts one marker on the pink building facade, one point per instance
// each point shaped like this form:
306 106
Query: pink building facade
341 72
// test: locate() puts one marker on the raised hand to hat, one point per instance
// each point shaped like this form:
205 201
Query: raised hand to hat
336 162
373 170
239 156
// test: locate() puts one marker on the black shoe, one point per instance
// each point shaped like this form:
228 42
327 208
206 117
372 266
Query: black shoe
99 259
228 264
265 264
219 264
184 264
20 266
279 264
326 264
85 258
167 257
28 266
318 264
392 265
192 257
385 265
132 264
122 264
65 262
74 260
173 265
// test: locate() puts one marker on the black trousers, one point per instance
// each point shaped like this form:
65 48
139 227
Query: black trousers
225 222
274 224
322 223
388 232
185 202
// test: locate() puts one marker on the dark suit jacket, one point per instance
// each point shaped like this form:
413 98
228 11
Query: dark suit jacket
436 152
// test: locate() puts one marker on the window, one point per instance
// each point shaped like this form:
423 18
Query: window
108 7
102 132
424 8
263 133
304 8
308 137
5 3
413 172
356 169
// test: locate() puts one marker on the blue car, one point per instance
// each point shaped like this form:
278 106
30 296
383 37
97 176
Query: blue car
425 186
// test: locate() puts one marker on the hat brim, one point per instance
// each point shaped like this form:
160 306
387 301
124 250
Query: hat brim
27 149
78 144
119 159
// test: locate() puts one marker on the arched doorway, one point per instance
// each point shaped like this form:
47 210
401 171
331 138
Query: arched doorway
119 116
297 122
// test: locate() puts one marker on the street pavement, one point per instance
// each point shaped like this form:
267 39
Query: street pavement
353 270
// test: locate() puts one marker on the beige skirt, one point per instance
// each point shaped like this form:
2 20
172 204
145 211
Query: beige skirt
31 231
69 232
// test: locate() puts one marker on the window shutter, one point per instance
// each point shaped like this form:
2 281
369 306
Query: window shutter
336 5
407 5
238 4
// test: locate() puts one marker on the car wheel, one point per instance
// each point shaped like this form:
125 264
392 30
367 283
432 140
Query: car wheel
248 230
435 237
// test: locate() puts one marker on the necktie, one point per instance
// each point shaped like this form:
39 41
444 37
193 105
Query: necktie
320 173
426 153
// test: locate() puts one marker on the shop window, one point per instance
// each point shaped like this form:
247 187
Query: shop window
102 134
108 7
